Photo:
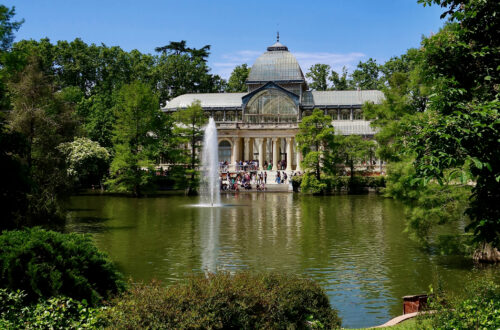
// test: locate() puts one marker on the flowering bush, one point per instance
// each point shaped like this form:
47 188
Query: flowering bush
87 161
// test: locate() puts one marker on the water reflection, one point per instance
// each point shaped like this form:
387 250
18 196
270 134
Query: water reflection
209 223
354 246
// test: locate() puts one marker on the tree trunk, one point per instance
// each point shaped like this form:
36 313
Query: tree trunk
486 253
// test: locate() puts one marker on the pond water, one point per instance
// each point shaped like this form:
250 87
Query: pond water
354 246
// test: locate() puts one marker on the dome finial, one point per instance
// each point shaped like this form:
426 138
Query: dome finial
278 37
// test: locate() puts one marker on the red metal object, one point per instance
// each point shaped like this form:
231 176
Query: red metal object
412 304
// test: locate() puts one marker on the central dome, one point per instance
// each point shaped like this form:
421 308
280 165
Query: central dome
277 64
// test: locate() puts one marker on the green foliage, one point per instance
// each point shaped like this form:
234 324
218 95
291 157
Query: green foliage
336 183
243 300
237 80
353 149
462 124
45 120
311 185
318 73
53 313
478 308
14 177
366 75
189 131
316 140
7 27
339 82
427 206
136 143
87 160
45 264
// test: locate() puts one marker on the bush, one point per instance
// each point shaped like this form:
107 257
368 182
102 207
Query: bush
334 183
479 309
46 263
222 300
311 185
54 313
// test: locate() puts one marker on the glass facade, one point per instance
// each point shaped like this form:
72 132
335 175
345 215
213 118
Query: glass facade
271 106
224 151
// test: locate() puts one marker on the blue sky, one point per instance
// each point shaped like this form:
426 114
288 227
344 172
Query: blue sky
336 32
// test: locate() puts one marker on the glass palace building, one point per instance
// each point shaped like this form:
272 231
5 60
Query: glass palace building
261 124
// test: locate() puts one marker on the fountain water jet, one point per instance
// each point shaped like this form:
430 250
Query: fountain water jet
209 183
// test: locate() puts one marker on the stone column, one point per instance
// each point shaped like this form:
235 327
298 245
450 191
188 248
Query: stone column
289 154
299 157
246 149
275 153
260 144
236 150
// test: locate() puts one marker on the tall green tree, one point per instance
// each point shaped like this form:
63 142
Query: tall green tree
461 124
353 149
339 82
318 73
316 140
366 75
45 120
189 129
136 142
237 80
8 27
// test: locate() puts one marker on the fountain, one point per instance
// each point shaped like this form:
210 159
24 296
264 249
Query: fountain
209 183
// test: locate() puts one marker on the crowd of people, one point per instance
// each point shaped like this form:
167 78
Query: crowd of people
246 175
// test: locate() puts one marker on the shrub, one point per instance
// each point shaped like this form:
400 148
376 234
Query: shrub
54 313
222 300
46 263
311 185
478 309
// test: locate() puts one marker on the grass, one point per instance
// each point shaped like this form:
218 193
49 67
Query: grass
411 324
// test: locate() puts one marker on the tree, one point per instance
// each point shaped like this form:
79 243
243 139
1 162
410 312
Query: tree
339 82
353 149
7 27
189 129
366 76
318 73
237 80
87 161
135 141
316 140
45 120
461 125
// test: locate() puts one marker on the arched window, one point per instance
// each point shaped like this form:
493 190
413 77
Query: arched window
332 114
230 116
345 114
306 113
225 151
271 106
218 115
358 114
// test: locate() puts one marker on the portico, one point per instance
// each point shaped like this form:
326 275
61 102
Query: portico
264 150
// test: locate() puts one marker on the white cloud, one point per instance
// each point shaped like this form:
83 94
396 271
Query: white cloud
226 64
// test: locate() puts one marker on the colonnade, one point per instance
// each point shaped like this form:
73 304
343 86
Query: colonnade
243 149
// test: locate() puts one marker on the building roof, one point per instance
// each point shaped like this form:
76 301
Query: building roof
309 99
208 100
353 127
332 98
277 64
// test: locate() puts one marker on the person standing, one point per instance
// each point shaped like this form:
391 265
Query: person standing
265 177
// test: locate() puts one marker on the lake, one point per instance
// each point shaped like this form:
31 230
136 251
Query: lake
354 246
